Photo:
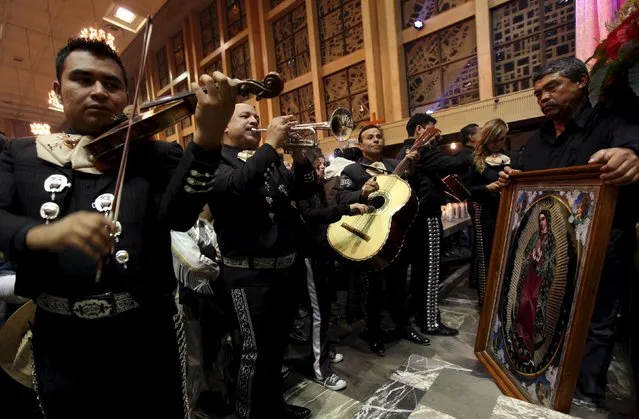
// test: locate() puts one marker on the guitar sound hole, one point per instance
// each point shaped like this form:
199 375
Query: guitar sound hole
377 202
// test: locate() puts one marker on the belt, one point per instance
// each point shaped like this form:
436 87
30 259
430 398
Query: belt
88 307
259 263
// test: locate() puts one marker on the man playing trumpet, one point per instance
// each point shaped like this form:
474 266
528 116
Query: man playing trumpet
256 220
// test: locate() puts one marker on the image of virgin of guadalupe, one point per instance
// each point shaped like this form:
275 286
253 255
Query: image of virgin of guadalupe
538 271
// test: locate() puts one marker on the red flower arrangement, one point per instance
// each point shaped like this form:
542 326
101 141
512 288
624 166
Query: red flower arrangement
617 57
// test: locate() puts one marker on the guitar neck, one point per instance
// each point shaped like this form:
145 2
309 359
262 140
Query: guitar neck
403 165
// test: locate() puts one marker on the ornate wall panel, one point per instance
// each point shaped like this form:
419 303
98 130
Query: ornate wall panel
299 102
210 29
413 10
340 27
348 89
291 44
215 65
178 54
442 68
526 35
180 88
236 16
163 67
241 61
275 3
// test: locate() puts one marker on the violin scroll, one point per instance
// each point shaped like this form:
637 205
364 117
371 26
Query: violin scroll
271 87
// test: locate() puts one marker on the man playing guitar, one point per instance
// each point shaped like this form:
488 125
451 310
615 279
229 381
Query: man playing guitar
357 182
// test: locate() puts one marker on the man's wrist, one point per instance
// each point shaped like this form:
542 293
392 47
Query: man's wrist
34 239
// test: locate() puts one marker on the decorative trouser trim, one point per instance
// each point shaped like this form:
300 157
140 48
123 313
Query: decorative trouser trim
480 265
317 320
432 284
178 320
36 387
249 353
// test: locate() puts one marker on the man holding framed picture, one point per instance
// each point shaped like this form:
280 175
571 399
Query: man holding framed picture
576 133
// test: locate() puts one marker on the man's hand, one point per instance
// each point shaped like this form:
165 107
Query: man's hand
359 209
412 157
620 165
369 187
214 109
88 232
495 186
504 176
278 130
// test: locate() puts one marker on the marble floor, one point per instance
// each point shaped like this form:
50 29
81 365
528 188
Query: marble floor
443 380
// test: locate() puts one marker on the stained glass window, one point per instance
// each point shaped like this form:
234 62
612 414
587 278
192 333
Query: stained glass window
348 89
236 16
526 35
291 44
442 68
210 29
340 28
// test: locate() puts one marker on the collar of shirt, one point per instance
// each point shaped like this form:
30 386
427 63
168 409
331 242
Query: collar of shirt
577 122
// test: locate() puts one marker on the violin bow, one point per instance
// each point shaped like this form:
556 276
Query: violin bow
117 194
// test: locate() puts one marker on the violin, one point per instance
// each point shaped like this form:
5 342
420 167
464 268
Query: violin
111 149
105 150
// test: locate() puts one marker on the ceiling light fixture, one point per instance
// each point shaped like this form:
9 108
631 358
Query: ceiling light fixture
38 128
54 102
124 14
418 24
99 35
124 17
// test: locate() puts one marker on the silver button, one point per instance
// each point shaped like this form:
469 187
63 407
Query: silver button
49 211
190 180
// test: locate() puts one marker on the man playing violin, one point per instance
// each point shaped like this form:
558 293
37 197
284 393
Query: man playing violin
105 349
257 224
357 182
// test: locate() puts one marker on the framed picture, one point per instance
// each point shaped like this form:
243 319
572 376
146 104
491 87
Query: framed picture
550 241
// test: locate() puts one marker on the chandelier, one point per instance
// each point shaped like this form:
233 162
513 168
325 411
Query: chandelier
54 102
38 128
99 35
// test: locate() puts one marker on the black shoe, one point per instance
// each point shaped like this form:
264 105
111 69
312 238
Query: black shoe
411 335
297 412
377 347
442 330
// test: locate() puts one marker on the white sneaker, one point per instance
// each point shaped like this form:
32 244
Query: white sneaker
335 357
332 382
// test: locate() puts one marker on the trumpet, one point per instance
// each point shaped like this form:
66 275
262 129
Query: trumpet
340 126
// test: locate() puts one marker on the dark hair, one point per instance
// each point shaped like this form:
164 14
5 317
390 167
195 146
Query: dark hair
338 152
367 127
570 67
95 47
418 119
352 154
545 213
467 131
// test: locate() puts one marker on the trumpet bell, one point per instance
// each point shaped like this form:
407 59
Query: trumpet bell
341 124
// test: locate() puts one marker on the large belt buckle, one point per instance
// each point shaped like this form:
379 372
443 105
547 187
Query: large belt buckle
95 307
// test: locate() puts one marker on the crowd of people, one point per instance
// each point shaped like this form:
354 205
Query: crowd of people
224 243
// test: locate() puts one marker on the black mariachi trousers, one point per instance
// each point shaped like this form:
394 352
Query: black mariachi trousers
423 251
618 270
264 303
127 366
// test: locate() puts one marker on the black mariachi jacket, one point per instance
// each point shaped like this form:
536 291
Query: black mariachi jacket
253 203
164 190
318 214
354 176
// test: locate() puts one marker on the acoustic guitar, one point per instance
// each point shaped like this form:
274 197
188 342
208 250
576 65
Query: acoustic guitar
375 239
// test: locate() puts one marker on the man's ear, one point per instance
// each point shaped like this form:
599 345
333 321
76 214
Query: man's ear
583 81
56 89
